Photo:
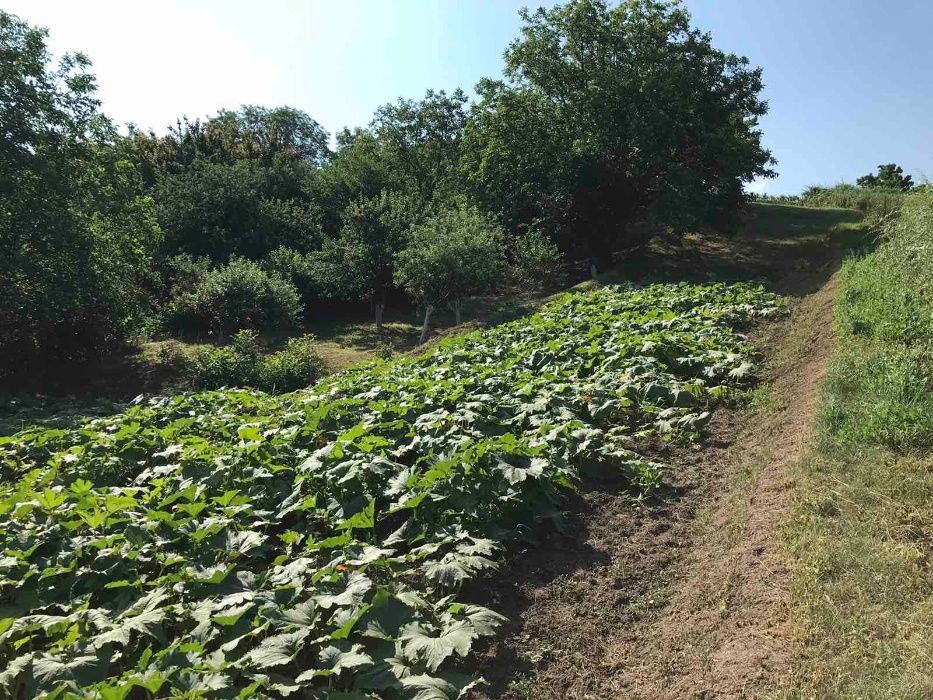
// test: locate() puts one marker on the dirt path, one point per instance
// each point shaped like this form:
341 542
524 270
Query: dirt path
685 595
725 630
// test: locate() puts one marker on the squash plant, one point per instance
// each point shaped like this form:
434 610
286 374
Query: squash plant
314 544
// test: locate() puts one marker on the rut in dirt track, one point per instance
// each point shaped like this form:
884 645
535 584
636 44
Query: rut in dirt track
685 595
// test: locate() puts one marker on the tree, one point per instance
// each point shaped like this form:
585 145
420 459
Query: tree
613 121
452 255
281 134
360 262
76 230
411 147
241 208
264 134
889 177
238 295
420 142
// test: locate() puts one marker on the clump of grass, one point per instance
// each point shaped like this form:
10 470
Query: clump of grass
864 518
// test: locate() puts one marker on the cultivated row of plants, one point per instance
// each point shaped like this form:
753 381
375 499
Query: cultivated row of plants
314 544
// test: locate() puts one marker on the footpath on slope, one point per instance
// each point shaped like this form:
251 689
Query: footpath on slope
685 594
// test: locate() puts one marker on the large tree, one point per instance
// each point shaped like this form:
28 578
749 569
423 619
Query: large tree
76 231
613 120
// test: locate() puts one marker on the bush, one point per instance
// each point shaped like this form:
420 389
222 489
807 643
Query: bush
183 273
301 269
239 295
242 364
536 260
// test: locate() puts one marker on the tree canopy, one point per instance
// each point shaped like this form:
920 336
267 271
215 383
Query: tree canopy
452 255
611 122
76 228
889 177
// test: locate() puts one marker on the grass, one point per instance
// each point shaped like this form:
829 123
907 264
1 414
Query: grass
862 526
876 205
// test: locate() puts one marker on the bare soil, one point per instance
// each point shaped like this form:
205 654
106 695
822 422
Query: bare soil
683 595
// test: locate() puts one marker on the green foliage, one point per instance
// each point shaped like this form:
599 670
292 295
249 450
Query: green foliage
535 261
243 364
254 133
881 389
76 231
890 177
302 270
238 295
877 205
864 509
315 543
242 208
360 262
452 255
615 120
420 143
612 123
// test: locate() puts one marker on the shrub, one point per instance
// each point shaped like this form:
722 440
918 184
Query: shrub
237 364
242 364
295 367
300 269
536 260
239 295
183 273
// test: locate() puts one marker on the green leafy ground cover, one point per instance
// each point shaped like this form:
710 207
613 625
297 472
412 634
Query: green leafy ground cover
314 544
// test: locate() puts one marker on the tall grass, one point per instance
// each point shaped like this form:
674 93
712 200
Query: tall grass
878 206
863 524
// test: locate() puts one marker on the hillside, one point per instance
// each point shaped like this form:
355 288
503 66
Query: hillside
329 528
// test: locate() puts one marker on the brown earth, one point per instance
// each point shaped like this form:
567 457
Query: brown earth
684 595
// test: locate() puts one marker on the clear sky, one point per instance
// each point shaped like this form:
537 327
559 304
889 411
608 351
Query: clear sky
848 81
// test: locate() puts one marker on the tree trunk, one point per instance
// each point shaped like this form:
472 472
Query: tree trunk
379 307
455 306
593 271
424 329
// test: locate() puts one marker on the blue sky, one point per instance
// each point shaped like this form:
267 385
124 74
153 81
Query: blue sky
848 82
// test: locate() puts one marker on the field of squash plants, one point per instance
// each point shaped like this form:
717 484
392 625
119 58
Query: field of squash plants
314 544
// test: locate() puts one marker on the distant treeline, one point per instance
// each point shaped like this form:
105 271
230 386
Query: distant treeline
611 123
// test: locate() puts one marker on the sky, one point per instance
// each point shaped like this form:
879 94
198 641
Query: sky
848 83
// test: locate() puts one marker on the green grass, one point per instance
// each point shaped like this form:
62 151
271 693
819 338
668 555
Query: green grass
876 205
862 527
